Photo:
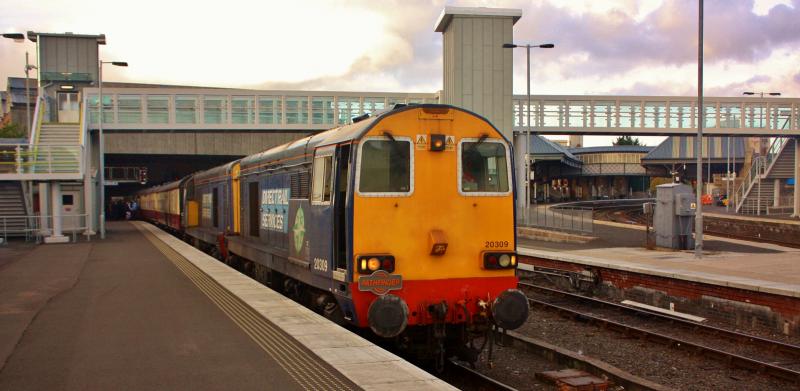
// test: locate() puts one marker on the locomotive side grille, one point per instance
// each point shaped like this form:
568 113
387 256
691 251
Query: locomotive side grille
300 184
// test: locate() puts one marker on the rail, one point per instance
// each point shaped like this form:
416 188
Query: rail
733 359
28 226
41 159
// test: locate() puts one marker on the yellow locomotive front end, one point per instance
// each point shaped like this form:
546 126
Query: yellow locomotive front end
433 223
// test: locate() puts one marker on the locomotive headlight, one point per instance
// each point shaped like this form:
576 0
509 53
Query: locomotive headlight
504 260
367 264
495 261
373 264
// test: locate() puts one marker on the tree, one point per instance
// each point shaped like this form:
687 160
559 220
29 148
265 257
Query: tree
11 130
627 140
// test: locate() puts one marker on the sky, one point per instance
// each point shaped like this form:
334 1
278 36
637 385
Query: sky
620 47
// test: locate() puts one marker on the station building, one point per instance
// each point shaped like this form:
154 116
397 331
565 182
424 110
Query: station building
171 131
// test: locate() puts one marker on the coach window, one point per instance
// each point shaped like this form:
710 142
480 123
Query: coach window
385 167
321 190
483 167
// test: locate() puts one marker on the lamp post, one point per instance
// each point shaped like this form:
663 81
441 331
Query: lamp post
18 37
102 146
526 206
698 220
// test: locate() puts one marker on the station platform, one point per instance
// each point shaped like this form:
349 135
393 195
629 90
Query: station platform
144 310
760 267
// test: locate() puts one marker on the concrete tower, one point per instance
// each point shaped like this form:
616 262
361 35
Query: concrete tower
478 72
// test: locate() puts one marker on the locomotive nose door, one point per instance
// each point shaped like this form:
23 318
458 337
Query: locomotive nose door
340 220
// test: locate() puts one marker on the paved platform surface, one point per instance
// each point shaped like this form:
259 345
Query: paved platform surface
143 310
115 314
719 211
729 262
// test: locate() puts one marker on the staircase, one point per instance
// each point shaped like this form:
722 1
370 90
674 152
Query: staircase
757 192
12 209
60 134
58 147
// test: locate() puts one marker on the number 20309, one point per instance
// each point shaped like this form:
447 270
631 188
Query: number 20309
496 243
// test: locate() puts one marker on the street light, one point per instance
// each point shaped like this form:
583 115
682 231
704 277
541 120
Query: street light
19 37
102 146
526 206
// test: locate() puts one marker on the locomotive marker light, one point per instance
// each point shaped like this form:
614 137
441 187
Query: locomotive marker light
437 142
495 261
367 264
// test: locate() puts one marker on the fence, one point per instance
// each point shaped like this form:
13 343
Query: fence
561 218
27 226
40 159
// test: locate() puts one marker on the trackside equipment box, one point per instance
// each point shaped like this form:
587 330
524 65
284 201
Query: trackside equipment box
674 216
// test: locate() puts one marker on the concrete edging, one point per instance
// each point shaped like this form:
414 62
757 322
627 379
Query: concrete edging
705 278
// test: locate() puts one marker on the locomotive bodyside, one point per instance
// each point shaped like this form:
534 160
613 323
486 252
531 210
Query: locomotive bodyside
401 222
211 193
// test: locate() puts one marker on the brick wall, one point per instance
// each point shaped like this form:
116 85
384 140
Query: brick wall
778 233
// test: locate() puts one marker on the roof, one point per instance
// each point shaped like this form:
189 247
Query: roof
544 149
448 13
682 148
19 82
215 174
34 36
612 149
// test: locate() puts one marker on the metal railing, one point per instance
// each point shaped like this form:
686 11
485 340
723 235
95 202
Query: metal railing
752 181
566 218
28 226
123 174
41 159
774 151
614 114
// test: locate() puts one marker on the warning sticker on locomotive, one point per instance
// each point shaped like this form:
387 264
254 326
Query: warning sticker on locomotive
421 141
380 282
450 143
275 209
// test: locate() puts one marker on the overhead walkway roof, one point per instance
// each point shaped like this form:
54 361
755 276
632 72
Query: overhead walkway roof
678 149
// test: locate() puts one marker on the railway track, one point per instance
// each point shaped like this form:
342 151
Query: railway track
466 378
784 368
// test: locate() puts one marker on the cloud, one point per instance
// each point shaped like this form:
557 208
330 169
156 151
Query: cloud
622 46
616 42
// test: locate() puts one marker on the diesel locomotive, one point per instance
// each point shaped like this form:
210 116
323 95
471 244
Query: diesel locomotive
401 223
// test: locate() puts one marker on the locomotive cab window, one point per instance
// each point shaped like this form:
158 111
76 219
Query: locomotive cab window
483 167
322 188
385 167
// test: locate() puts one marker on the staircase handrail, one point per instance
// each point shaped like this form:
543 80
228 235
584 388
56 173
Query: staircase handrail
774 152
38 113
755 172
84 122
42 159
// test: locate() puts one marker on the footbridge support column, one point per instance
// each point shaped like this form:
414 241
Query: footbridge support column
796 212
55 197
